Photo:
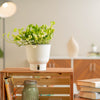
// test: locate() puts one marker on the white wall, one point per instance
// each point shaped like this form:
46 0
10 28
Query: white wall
78 17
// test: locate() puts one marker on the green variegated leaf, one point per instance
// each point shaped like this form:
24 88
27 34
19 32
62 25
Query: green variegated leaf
15 30
33 35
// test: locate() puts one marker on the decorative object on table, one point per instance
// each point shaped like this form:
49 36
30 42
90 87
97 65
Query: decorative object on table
94 52
7 9
36 39
30 91
72 47
89 88
94 48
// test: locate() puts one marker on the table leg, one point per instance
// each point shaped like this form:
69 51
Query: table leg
2 90
71 86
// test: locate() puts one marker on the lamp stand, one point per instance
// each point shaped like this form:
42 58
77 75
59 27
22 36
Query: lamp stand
4 43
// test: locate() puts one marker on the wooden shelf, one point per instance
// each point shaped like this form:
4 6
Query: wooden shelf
27 70
52 76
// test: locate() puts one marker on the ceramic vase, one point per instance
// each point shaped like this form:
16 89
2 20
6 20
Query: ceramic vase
72 48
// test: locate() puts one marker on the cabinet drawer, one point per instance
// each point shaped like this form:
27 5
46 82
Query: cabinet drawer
82 69
59 63
62 63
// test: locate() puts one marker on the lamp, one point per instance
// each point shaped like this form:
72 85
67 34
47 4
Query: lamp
7 9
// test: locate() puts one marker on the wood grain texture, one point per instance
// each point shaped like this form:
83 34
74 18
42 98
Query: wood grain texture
48 90
82 69
62 63
52 76
2 89
1 82
54 98
49 98
49 72
59 63
57 74
96 68
27 70
71 86
46 81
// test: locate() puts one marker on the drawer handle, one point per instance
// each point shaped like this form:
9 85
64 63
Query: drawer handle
94 67
90 67
53 65
49 65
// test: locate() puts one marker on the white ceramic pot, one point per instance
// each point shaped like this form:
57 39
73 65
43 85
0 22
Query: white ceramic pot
38 56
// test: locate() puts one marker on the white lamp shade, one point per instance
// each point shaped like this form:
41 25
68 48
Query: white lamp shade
7 9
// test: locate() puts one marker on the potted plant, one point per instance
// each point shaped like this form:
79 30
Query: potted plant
36 39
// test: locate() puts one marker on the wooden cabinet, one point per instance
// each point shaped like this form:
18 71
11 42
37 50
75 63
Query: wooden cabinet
59 63
96 68
86 69
83 68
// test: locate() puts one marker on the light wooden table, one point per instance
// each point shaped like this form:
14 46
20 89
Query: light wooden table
51 78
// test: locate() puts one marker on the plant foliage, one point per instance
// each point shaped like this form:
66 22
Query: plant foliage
1 53
32 35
